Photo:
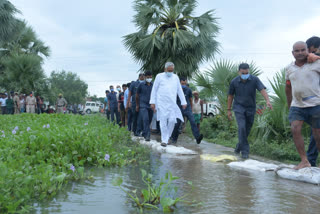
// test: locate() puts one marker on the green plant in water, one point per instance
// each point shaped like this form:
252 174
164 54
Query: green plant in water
155 194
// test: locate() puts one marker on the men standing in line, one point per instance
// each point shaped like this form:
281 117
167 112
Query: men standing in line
16 102
136 129
303 96
31 104
143 104
61 104
313 44
113 105
163 100
187 113
243 91
106 105
197 109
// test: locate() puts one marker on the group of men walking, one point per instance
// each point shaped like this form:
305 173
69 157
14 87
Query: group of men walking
168 99
303 98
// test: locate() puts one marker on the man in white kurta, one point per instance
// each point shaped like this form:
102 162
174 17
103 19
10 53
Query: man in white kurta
163 100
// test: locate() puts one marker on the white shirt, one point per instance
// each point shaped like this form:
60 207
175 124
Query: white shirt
3 102
305 83
164 95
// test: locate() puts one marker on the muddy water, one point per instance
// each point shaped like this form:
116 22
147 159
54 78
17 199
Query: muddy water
221 189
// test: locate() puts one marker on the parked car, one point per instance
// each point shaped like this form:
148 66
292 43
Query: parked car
210 109
92 107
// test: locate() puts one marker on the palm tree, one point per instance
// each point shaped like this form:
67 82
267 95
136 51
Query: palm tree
7 20
216 81
167 31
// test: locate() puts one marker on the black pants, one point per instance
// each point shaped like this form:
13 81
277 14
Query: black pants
3 110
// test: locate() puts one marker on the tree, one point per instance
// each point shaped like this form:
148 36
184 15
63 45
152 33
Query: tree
167 31
217 79
7 20
74 90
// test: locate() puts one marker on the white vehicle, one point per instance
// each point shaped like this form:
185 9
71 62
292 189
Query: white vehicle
210 109
92 107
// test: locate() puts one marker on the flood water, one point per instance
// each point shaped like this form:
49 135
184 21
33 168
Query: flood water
220 188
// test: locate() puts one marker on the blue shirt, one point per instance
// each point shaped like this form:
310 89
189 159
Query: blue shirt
112 98
245 93
144 91
106 101
133 89
188 94
126 94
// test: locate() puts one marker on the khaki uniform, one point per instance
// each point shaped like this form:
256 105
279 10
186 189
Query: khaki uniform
61 102
16 102
31 104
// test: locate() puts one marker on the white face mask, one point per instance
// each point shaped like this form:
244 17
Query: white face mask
149 79
118 89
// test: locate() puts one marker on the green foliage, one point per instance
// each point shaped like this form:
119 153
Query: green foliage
7 20
35 164
69 84
163 193
167 31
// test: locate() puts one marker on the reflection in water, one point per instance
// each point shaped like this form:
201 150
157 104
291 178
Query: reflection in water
220 188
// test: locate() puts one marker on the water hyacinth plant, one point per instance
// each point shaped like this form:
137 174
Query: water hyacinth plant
35 165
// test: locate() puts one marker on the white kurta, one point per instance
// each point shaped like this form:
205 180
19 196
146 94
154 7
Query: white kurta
164 95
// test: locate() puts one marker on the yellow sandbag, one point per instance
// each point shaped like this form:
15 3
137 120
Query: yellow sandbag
219 158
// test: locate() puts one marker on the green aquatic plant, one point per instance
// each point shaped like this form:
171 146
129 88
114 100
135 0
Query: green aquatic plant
36 160
155 194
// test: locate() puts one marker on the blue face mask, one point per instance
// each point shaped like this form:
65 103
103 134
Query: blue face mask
183 86
112 90
169 74
245 76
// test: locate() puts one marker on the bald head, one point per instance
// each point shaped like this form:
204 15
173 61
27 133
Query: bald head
300 51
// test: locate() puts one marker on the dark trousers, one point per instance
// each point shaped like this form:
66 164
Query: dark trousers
136 124
114 111
108 114
245 121
129 115
3 110
145 115
312 152
10 110
187 113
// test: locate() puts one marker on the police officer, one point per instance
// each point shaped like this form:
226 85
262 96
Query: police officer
113 104
187 113
61 104
31 103
143 104
16 101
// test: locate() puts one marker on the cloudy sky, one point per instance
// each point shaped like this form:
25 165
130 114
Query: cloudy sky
85 37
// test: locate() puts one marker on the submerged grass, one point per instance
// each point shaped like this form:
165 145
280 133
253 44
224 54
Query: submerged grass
39 154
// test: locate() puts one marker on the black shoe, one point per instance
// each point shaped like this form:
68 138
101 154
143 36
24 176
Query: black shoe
237 151
147 138
200 139
163 144
244 156
136 134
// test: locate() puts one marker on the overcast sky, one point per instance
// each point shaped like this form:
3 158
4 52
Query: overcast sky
85 37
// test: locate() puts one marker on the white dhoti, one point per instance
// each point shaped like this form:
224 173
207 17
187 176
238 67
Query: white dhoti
164 95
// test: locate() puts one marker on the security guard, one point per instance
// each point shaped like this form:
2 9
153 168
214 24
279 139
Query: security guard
60 104
31 104
16 101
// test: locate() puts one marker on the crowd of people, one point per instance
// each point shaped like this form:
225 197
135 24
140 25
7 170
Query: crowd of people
167 102
13 103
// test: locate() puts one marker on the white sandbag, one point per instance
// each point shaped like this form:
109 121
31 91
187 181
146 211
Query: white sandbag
254 165
171 149
308 174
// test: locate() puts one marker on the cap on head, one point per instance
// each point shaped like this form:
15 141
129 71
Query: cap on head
195 92
60 95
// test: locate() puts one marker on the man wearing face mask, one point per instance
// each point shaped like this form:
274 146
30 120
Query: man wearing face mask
143 106
120 103
113 104
243 91
131 102
187 113
163 100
